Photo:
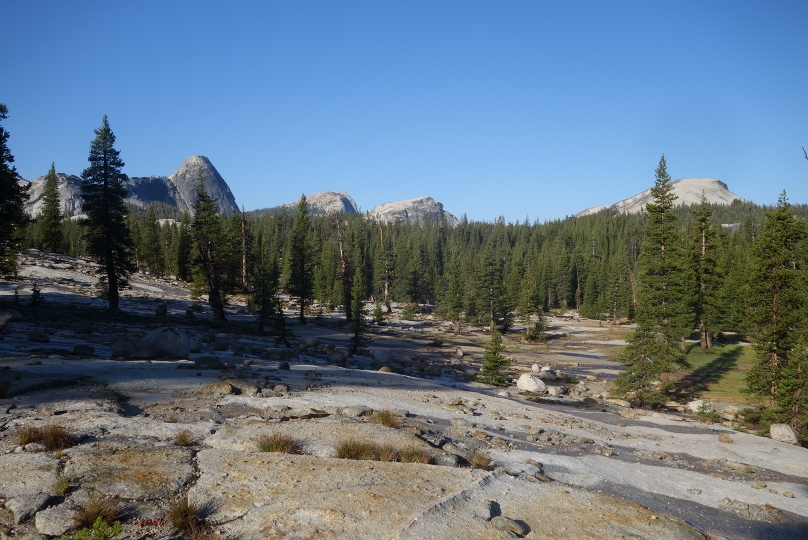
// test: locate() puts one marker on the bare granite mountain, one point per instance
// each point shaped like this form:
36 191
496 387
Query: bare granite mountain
178 190
322 203
688 191
419 210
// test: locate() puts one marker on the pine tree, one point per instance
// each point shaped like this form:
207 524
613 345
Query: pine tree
209 236
650 353
358 323
50 234
183 251
103 192
150 246
494 362
301 277
13 196
705 247
265 302
778 317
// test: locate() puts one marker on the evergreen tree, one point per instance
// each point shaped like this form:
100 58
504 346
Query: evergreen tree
183 248
494 362
103 192
209 236
265 302
778 317
650 353
151 244
493 300
705 247
13 196
50 235
358 323
301 276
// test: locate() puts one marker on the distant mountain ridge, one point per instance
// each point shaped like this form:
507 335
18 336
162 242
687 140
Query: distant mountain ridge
687 190
322 203
177 190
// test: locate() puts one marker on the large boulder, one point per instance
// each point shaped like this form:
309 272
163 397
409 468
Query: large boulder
165 342
5 316
783 433
530 383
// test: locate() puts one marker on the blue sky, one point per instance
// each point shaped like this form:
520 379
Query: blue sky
507 109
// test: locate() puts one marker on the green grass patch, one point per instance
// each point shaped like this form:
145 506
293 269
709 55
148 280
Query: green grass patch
715 374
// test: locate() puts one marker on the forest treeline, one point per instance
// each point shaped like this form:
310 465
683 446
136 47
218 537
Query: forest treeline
473 272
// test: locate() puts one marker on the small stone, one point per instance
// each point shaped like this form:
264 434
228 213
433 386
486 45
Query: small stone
38 336
356 411
459 352
608 452
725 438
694 491
758 484
504 393
788 494
34 447
281 388
189 314
445 460
385 369
283 365
507 524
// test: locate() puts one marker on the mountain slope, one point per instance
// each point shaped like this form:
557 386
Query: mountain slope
322 203
418 210
178 190
688 191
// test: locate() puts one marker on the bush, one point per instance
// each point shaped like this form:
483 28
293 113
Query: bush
185 438
186 517
278 442
100 530
387 418
436 341
378 315
409 312
494 362
479 459
104 510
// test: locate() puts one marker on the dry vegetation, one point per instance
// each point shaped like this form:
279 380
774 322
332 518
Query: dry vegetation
363 450
186 517
53 438
479 459
108 509
387 418
278 442
185 438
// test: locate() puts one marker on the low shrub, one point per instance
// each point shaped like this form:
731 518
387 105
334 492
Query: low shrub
479 459
364 450
51 437
185 438
100 530
186 517
387 418
105 510
277 442
220 345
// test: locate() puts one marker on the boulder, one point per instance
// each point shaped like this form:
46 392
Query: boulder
434 370
382 355
25 506
122 348
459 352
224 388
535 368
356 411
386 369
530 383
556 390
162 309
336 357
281 388
209 362
189 314
310 341
55 521
699 405
783 433
507 524
547 374
283 365
5 316
165 342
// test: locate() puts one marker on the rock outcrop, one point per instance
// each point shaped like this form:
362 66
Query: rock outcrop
688 191
419 210
322 203
178 190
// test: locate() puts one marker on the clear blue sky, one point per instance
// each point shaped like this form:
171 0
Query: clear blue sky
511 109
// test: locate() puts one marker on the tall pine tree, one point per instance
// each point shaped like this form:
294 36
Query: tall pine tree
208 233
103 192
13 196
301 276
651 353
50 233
778 292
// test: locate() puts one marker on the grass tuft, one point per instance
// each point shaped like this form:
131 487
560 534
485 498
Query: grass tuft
185 438
51 437
60 486
387 418
278 442
363 450
186 516
107 509
479 459
172 419
26 434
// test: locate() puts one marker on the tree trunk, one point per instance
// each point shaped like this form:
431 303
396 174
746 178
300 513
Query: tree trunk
302 310
243 251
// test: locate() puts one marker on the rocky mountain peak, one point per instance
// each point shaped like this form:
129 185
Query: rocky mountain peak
418 210
184 181
687 190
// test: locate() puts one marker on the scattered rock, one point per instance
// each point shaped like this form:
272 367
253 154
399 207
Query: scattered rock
382 355
725 438
223 388
547 374
281 388
309 341
38 336
356 411
783 433
556 390
618 402
162 309
82 349
245 388
122 348
788 494
189 314
535 368
699 405
459 352
336 357
283 365
529 383
34 448
635 403
25 506
165 342
504 393
507 524
446 460
386 369
433 369
55 521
